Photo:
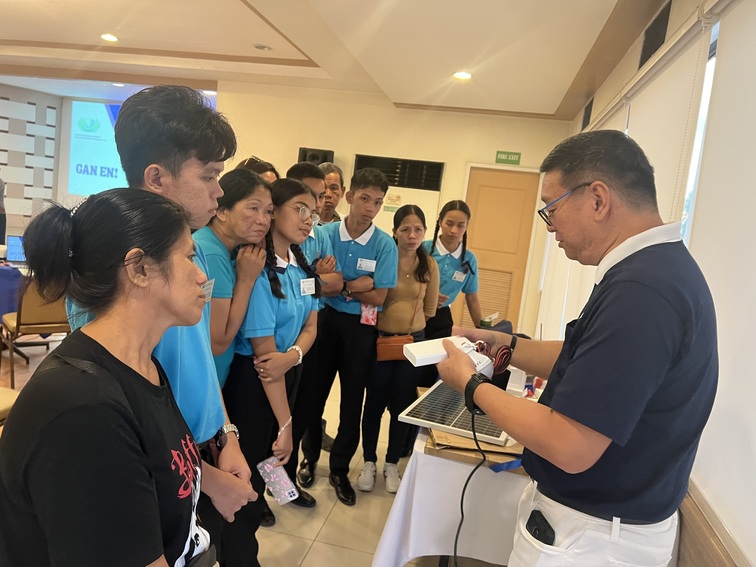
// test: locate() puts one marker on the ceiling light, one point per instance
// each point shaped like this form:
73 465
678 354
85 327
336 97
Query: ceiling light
109 37
210 93
462 75
263 47
119 85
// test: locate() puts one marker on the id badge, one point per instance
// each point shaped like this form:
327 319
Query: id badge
207 288
458 276
366 265
307 286
368 314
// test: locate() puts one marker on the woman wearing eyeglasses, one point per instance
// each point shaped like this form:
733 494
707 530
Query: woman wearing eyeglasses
459 272
277 332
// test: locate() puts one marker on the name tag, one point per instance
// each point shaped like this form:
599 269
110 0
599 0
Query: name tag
207 287
458 276
307 286
367 265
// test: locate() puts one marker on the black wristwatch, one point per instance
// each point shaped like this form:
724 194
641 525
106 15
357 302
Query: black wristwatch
345 291
475 380
220 436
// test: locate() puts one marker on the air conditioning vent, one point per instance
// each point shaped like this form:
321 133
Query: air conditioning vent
408 173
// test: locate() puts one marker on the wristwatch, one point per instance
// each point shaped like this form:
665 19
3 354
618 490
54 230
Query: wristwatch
345 290
475 380
227 428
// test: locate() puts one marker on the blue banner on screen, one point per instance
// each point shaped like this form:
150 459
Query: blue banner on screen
94 165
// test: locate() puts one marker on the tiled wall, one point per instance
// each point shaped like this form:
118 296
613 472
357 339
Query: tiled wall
29 130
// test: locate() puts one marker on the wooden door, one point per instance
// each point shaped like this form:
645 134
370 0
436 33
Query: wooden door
503 204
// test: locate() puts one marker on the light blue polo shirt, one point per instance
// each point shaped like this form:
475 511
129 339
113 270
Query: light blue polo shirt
269 316
222 269
373 254
186 356
453 275
316 246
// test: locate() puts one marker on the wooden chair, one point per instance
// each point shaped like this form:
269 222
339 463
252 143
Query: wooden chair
34 317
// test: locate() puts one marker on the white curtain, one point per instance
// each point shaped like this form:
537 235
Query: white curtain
659 107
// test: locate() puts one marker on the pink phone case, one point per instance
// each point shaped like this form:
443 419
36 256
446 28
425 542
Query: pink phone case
277 480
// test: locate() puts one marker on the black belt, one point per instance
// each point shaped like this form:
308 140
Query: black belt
552 496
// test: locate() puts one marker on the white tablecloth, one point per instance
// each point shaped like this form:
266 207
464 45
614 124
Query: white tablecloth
425 514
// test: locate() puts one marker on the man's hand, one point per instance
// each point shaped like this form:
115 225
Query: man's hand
227 492
231 459
325 265
455 370
442 299
250 261
494 339
361 284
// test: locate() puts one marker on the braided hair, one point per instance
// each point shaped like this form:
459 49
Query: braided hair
403 212
456 205
282 191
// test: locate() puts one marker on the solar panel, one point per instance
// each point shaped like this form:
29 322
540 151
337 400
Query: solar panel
444 409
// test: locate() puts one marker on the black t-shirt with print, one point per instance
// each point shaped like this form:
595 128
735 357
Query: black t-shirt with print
97 469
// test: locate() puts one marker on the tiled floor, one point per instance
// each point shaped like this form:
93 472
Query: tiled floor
331 534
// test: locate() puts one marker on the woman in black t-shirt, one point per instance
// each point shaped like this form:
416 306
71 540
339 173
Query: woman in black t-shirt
97 466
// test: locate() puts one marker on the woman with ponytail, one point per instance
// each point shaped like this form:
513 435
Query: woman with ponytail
98 466
459 273
277 332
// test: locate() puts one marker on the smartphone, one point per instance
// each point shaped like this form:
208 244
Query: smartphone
279 483
538 526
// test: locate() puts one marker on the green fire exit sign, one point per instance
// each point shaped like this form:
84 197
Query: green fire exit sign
509 158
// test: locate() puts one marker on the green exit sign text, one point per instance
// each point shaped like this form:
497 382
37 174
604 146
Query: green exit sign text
510 158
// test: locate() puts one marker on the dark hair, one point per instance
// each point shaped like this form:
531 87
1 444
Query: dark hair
168 125
329 167
282 191
305 169
78 252
368 177
607 155
457 205
237 185
403 212
255 164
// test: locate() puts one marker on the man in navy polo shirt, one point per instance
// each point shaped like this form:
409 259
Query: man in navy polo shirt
611 443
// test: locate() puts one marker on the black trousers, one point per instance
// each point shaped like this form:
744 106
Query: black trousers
305 415
345 346
436 327
248 408
392 385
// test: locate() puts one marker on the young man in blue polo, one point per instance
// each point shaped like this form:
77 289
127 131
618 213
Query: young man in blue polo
346 331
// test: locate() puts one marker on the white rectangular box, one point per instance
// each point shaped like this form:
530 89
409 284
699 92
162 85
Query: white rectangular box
430 352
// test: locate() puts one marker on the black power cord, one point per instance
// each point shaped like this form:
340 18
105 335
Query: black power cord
464 488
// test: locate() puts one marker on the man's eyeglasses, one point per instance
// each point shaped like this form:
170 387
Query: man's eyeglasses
306 213
546 214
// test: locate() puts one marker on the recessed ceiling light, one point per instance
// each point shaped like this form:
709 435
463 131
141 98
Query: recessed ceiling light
263 47
210 93
118 85
109 37
462 75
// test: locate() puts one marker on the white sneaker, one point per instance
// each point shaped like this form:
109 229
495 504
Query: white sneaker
366 481
391 475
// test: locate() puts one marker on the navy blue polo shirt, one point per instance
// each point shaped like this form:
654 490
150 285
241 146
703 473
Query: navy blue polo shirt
639 366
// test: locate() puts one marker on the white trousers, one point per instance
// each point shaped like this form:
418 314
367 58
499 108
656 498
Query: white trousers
585 541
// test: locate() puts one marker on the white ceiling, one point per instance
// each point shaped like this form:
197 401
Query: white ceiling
530 58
